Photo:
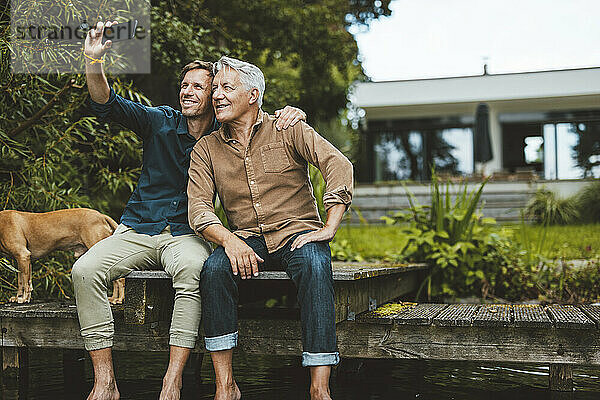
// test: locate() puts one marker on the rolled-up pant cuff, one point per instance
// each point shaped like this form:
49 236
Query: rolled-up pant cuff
224 342
318 359
97 344
182 342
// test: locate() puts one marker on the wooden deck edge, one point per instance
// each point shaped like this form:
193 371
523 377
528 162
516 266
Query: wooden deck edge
341 272
282 337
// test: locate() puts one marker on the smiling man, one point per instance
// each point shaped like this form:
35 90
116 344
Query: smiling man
267 196
154 232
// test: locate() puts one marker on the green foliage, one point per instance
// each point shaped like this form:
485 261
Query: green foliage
308 56
62 157
449 235
548 208
342 250
588 202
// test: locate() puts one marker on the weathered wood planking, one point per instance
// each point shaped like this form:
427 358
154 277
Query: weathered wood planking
593 312
342 271
363 340
567 316
358 287
456 315
421 314
531 316
386 313
495 315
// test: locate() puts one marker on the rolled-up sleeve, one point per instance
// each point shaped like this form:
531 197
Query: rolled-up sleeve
201 189
335 167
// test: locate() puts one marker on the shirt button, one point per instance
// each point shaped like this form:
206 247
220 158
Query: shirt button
257 204
247 158
174 202
252 182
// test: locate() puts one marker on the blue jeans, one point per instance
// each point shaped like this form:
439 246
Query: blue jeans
310 269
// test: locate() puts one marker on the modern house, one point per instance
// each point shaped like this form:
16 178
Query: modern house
544 127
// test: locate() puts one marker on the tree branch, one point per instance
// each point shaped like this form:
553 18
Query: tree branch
38 115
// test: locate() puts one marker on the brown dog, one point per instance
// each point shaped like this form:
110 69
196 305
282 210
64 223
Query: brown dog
26 236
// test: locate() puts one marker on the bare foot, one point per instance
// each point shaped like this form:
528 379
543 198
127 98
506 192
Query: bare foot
171 389
107 391
228 393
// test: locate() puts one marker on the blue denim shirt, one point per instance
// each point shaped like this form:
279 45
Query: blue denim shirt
159 198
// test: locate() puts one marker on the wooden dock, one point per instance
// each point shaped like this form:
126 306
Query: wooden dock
560 336
142 322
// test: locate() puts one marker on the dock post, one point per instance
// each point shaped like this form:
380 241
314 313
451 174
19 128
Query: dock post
561 377
15 372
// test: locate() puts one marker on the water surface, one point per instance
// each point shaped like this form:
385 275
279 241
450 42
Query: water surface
274 378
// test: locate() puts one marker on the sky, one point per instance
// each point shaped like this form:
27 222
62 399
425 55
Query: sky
437 38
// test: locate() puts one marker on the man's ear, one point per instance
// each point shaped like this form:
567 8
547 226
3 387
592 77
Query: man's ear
253 98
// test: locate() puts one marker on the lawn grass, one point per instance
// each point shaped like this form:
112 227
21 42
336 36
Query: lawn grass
570 242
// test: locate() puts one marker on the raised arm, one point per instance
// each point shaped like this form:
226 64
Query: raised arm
93 52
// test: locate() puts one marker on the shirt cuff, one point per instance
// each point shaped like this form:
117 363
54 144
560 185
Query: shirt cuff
341 195
203 220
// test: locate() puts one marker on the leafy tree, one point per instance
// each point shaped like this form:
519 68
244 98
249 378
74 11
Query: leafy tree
54 154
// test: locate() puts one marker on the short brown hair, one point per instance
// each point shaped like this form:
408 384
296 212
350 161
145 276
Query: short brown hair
196 64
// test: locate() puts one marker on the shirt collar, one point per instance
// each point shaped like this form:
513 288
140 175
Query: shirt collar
182 127
226 136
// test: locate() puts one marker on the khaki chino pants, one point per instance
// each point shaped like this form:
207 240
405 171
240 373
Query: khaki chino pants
182 257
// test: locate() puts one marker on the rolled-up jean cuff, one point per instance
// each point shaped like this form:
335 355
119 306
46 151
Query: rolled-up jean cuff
224 342
181 342
317 359
97 344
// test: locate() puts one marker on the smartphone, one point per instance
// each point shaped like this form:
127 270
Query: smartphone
121 31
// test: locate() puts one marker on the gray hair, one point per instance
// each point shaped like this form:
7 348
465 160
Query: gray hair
250 75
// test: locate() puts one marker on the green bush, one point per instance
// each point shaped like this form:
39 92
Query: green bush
548 208
451 236
588 202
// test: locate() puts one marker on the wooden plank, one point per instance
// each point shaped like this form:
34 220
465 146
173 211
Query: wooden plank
567 316
593 312
148 300
39 310
495 315
486 344
342 271
531 315
357 296
456 315
15 372
422 314
361 340
386 313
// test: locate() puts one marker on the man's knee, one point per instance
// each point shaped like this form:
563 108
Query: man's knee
188 270
216 267
316 257
86 269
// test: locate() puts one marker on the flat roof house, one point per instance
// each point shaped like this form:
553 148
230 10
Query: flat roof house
544 129
537 121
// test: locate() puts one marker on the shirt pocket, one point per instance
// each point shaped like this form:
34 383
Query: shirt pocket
274 157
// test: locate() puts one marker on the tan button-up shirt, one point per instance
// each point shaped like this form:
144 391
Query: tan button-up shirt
265 188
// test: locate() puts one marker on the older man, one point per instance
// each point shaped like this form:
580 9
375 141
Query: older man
154 231
261 177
